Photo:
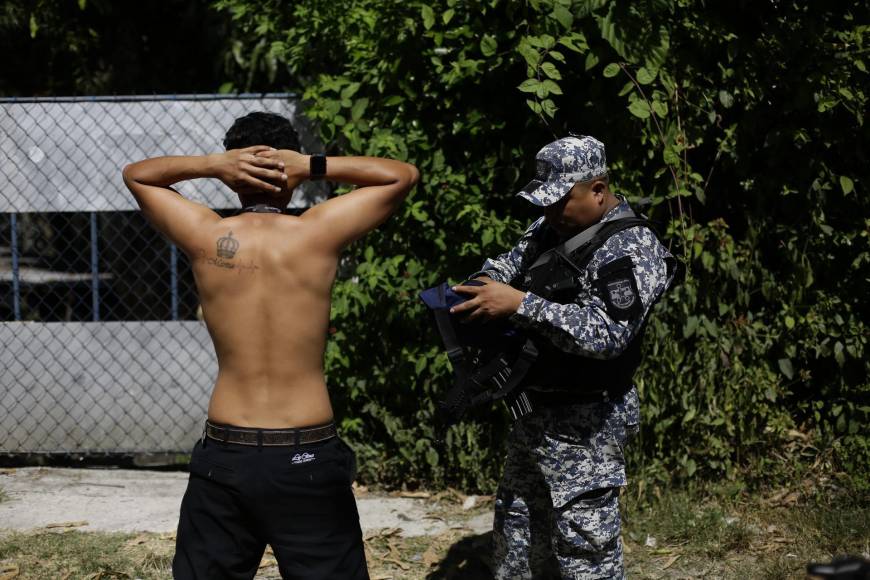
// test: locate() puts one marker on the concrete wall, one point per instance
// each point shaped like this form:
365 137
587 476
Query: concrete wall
104 387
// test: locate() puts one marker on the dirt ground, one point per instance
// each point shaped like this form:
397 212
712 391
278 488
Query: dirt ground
126 500
102 524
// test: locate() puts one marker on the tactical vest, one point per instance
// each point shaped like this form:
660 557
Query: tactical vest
555 276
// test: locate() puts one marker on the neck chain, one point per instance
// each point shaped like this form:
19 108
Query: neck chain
262 208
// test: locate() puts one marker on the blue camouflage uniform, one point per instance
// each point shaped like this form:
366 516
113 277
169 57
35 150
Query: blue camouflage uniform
557 507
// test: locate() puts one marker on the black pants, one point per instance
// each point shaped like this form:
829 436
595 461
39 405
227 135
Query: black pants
297 499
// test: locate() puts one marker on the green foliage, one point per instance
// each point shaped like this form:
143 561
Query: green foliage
98 47
744 128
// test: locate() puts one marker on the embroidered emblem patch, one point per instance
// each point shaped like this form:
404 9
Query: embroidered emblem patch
621 293
302 458
617 287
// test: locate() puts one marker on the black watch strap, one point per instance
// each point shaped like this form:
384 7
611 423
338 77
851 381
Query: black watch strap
317 166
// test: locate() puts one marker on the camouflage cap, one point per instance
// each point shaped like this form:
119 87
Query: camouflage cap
561 164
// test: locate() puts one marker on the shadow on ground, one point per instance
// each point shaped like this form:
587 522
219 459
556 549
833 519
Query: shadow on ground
469 558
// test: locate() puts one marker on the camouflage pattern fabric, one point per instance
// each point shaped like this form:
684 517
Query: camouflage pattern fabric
586 326
557 509
561 164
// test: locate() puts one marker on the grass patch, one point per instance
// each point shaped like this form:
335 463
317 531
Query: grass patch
719 531
3 495
712 527
723 532
74 554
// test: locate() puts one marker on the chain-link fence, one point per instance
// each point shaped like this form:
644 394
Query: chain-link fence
102 349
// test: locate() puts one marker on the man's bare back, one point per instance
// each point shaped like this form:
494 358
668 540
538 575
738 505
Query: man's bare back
264 279
265 285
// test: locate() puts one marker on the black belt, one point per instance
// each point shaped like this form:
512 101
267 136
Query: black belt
269 437
560 398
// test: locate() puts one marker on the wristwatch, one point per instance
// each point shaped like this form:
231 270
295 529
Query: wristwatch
317 166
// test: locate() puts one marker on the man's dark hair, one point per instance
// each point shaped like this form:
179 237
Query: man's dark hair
260 128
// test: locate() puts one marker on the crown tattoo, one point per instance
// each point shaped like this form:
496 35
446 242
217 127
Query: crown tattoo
227 246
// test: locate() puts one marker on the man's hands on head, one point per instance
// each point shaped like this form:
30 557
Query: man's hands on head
491 301
381 183
251 170
296 166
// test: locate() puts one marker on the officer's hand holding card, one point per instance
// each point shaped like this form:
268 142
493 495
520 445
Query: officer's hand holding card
489 301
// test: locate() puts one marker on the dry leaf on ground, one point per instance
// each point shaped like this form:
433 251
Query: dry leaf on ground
67 524
106 575
9 571
415 494
382 533
430 556
398 563
138 540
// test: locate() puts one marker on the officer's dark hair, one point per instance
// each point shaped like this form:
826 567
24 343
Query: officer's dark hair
261 128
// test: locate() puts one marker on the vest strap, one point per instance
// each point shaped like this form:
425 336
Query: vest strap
571 245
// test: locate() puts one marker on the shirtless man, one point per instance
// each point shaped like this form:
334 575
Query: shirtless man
270 468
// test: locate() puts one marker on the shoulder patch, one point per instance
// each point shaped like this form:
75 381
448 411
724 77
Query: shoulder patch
617 286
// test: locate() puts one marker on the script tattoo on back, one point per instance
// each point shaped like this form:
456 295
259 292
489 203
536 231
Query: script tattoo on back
227 246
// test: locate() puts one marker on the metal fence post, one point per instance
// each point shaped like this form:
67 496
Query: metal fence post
95 269
16 282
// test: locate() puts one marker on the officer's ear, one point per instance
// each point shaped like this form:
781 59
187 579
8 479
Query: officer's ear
599 189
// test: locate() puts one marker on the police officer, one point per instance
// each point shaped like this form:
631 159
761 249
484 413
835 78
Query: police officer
557 507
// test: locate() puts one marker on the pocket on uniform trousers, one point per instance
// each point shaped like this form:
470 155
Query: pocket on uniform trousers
589 523
581 452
